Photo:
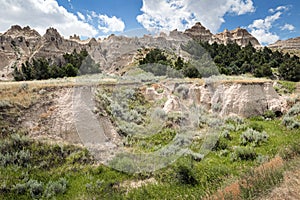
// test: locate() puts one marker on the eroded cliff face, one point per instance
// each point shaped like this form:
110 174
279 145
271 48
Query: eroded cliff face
240 36
292 44
244 99
113 53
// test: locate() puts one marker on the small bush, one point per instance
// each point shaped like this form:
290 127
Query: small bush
290 122
35 188
225 134
234 120
294 111
243 153
185 175
56 187
269 114
20 188
254 137
257 127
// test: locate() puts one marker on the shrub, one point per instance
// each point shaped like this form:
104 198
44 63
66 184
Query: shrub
185 175
290 122
56 187
234 120
20 188
35 188
269 114
225 134
254 137
257 127
243 153
294 111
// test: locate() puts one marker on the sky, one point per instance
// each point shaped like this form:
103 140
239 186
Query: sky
267 20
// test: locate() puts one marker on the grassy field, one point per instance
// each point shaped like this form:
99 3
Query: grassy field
250 158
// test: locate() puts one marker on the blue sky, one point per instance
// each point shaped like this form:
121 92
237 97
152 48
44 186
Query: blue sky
268 20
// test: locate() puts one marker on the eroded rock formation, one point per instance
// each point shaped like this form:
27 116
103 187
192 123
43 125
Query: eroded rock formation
293 43
246 99
113 53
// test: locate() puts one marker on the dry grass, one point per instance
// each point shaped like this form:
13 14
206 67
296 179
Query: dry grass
25 92
290 187
234 190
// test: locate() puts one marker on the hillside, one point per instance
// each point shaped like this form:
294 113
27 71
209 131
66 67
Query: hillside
159 120
145 134
113 53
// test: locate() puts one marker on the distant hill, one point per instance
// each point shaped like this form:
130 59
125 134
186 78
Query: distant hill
113 53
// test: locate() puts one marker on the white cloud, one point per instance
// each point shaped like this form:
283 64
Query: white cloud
266 23
180 14
279 8
110 24
41 14
288 27
260 29
81 16
265 36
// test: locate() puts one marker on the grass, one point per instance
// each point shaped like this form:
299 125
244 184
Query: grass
186 178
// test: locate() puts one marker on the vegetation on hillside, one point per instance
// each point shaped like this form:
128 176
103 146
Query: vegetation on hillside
230 59
73 64
31 169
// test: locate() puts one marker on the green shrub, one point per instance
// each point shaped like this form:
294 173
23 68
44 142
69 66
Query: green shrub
56 187
185 175
243 153
257 127
20 188
254 137
35 188
269 114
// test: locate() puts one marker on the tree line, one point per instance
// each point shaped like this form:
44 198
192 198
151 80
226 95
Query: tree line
233 59
230 59
72 64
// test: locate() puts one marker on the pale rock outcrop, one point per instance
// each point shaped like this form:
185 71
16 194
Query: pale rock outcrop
199 32
240 36
245 99
293 43
172 104
151 94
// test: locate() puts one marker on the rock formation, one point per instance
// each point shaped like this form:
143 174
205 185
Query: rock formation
245 99
113 53
199 32
240 36
290 44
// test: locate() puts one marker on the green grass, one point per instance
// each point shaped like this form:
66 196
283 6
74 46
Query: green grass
186 178
286 87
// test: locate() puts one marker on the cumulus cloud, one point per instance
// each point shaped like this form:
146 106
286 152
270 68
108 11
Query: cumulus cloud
279 8
168 15
81 16
260 29
110 24
41 14
288 27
